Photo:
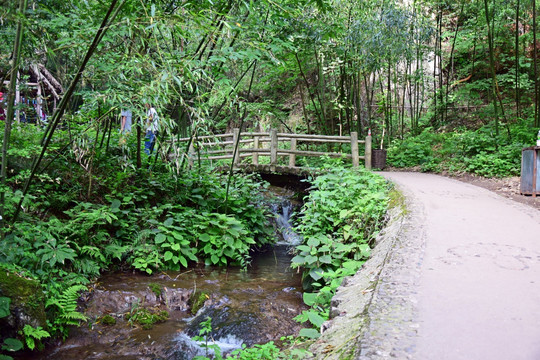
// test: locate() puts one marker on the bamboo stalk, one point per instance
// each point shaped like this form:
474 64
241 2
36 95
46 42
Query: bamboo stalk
10 110
57 116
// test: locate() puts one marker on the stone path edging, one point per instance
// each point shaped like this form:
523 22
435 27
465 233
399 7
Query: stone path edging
373 312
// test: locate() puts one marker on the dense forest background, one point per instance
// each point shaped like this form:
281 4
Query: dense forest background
443 86
324 67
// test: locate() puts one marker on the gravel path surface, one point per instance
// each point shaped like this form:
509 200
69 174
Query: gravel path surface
457 277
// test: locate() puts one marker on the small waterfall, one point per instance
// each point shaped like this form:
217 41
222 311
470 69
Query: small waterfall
283 212
189 348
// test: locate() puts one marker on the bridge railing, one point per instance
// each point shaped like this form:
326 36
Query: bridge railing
259 144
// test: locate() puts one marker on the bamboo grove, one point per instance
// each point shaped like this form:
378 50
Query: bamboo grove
324 67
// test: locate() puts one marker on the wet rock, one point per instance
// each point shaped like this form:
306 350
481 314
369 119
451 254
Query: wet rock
119 301
177 299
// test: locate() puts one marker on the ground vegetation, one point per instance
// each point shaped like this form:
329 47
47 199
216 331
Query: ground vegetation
443 86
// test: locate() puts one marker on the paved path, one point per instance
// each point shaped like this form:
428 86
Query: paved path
477 288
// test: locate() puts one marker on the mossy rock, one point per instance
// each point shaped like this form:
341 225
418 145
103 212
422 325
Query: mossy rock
27 306
196 301
108 320
147 317
156 289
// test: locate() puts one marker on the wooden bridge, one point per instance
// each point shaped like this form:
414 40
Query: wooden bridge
246 149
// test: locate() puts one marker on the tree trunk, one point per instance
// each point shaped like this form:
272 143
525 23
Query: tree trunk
535 60
492 68
516 51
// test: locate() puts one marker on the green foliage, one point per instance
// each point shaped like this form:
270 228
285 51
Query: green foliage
268 351
196 301
32 335
478 152
8 344
204 338
339 219
12 345
415 151
175 244
222 237
4 306
64 308
319 301
146 317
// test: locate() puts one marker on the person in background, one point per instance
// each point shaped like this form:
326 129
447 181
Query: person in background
152 127
126 121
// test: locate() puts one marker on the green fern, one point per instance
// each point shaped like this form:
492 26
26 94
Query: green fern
65 304
94 252
32 334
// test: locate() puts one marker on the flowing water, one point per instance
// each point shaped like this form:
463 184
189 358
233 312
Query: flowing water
246 307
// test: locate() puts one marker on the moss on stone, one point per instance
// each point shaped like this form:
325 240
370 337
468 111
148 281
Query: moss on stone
196 301
27 301
156 289
108 320
146 317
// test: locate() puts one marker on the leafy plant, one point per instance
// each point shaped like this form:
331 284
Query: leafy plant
64 307
204 338
319 301
175 244
338 221
8 344
33 335
222 238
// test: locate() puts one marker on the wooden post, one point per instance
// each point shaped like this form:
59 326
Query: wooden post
255 147
354 149
368 152
236 134
273 149
292 157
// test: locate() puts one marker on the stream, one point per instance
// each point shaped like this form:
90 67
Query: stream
246 307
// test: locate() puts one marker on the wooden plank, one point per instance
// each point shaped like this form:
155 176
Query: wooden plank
221 157
307 136
312 153
206 137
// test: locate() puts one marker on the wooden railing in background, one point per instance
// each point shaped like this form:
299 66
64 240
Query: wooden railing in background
253 145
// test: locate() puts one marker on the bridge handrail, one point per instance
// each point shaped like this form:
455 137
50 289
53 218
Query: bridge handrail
273 137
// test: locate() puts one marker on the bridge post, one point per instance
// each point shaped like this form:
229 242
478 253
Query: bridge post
368 152
292 157
354 149
255 153
273 149
236 155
